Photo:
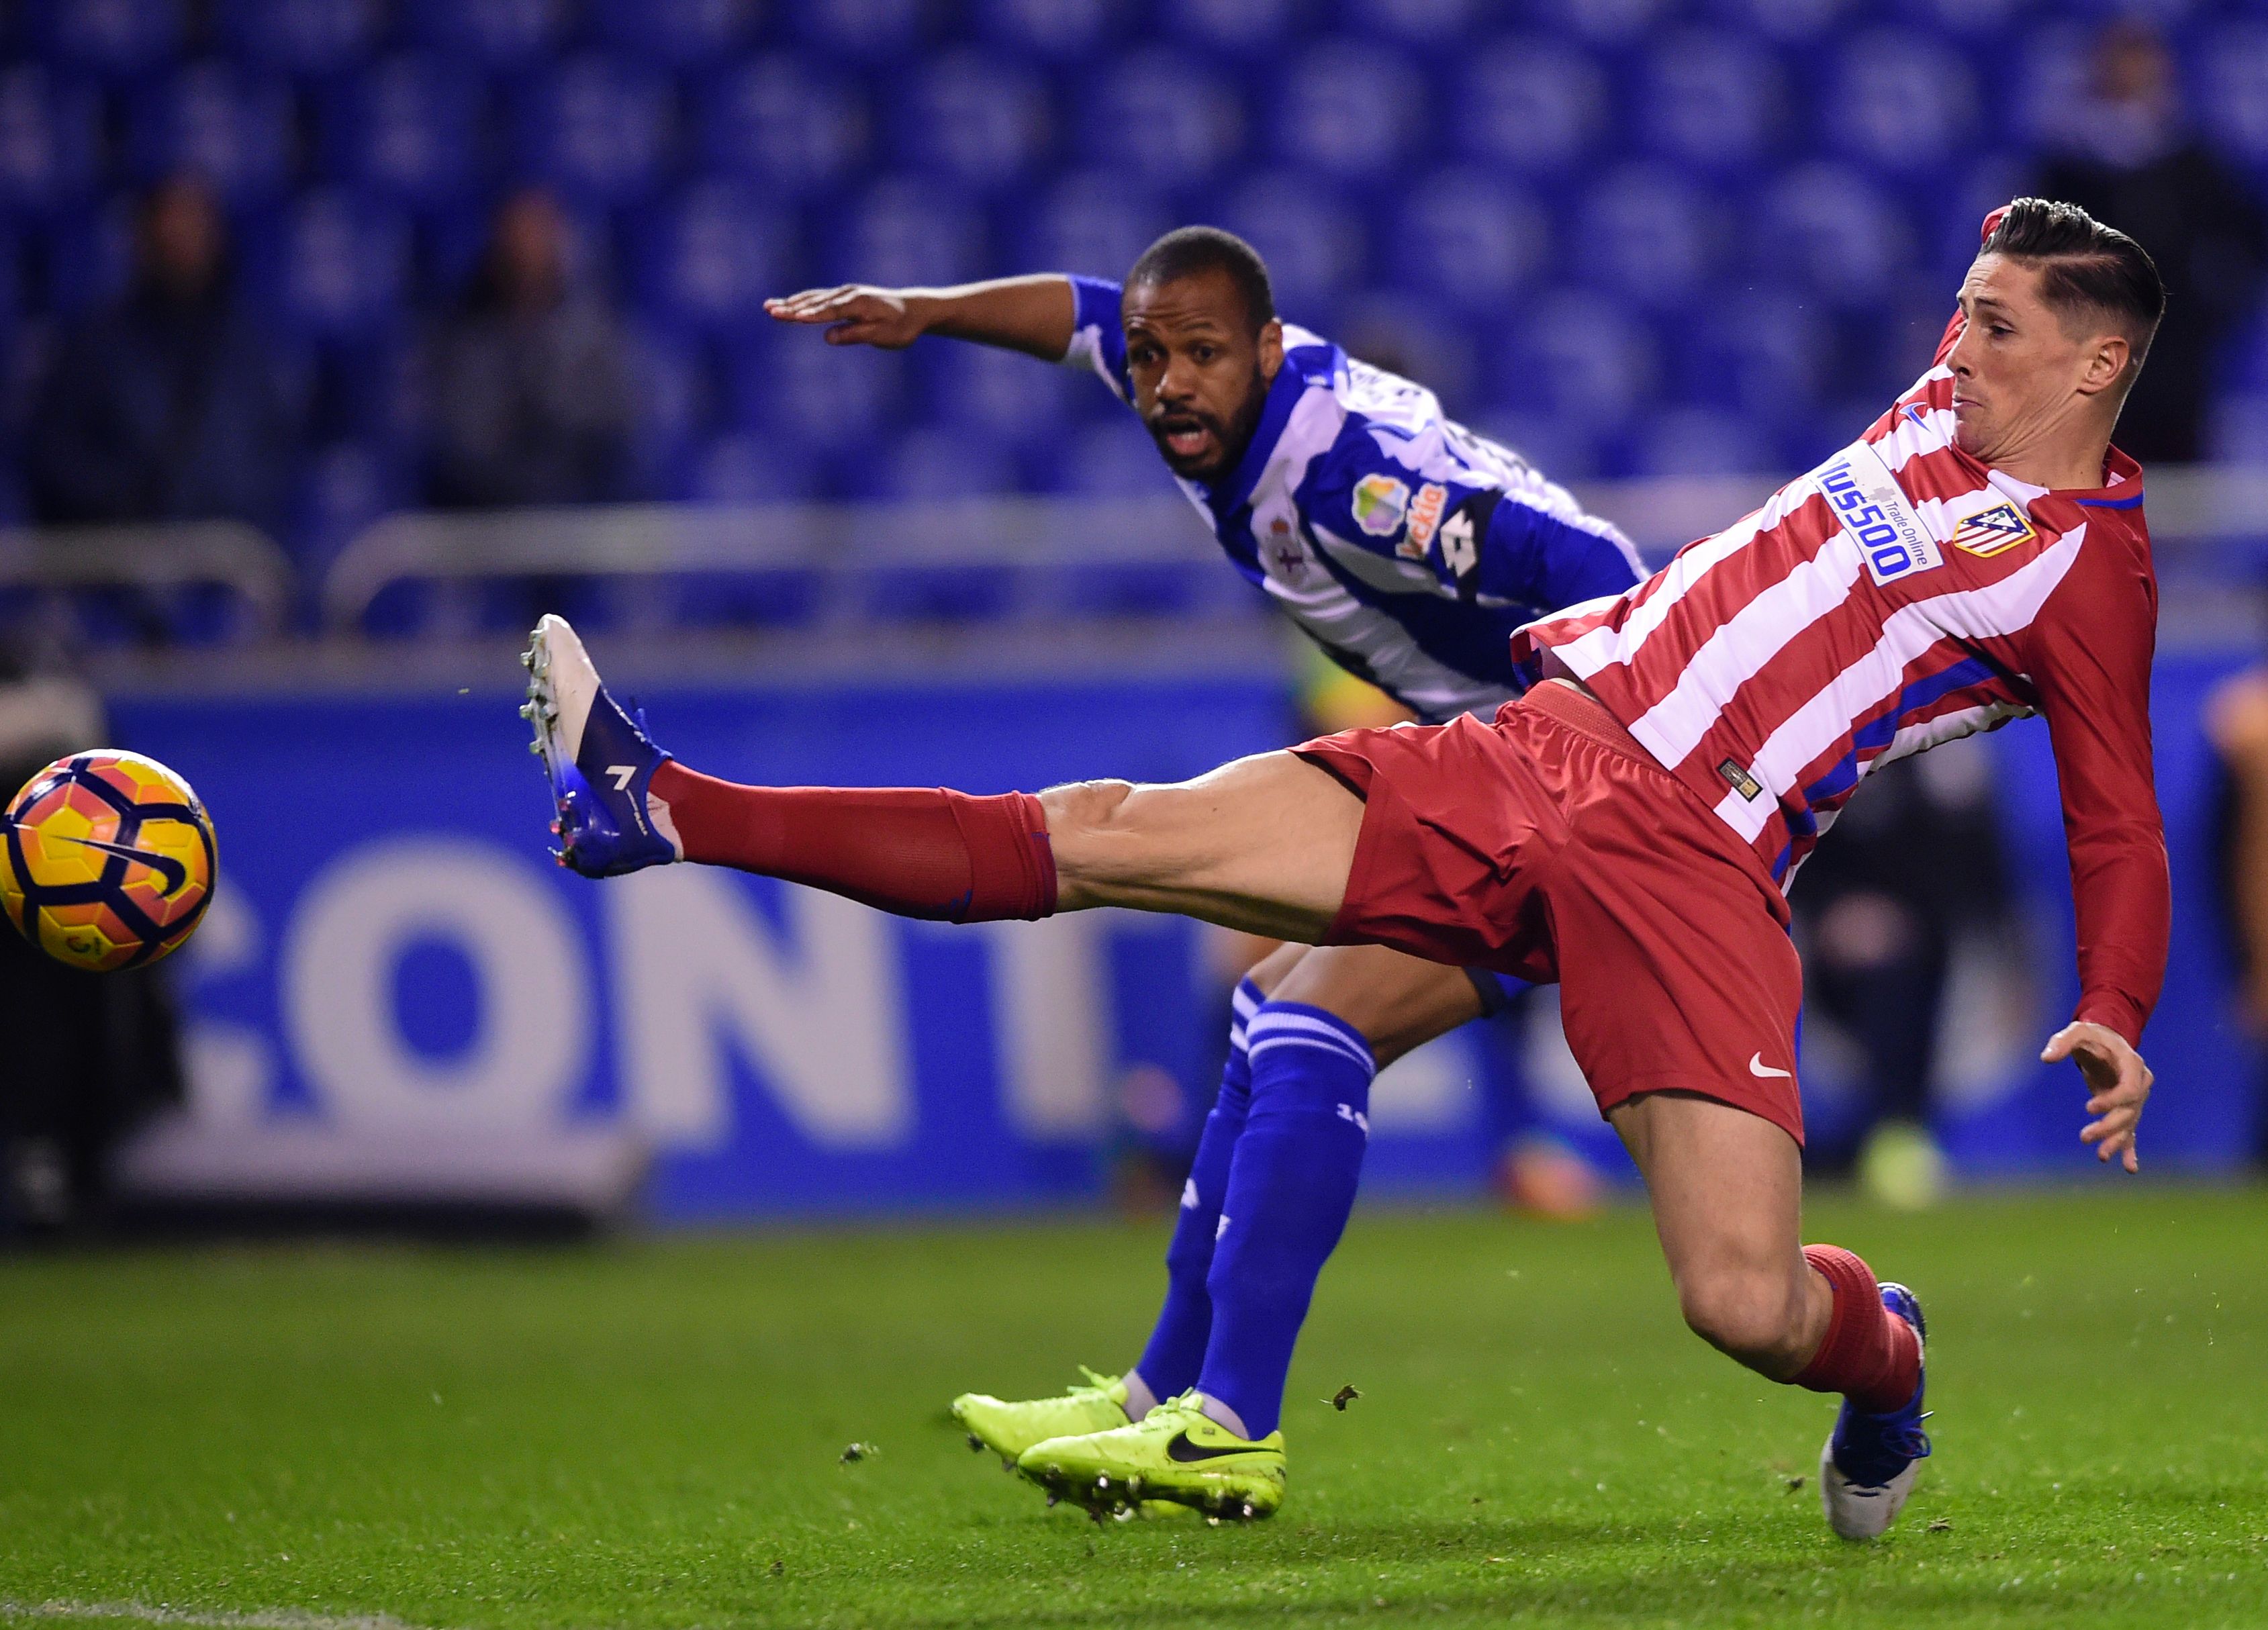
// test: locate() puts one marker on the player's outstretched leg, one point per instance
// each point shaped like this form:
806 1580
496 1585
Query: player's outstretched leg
1726 1186
601 762
1264 844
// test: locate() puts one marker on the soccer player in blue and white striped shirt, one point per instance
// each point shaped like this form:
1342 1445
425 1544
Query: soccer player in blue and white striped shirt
1408 548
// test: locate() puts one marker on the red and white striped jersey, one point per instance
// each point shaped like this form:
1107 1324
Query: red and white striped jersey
1901 595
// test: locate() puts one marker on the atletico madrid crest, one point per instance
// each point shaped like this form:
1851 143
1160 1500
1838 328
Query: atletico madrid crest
1989 532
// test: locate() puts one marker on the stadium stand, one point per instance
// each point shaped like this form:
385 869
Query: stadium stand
1661 238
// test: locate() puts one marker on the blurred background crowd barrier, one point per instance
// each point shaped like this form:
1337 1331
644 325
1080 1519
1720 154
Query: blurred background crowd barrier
339 337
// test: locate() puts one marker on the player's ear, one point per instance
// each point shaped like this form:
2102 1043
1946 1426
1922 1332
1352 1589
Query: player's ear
2105 365
1272 350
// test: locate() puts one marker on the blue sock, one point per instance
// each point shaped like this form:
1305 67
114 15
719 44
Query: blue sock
1177 1346
1290 1189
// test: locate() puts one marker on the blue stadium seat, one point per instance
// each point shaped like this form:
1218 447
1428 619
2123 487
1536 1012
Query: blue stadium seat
1423 22
868 30
301 36
1613 22
712 255
213 119
685 33
1701 441
410 128
2235 81
785 120
1901 102
2050 82
935 462
346 488
1468 236
904 229
1804 21
1252 27
90 256
675 403
598 127
504 34
1835 232
1170 117
111 37
1761 352
790 383
1000 396
1348 108
50 138
1535 103
343 264
1112 457
1711 98
1064 30
1310 237
1648 232
1090 220
1582 357
972 116
746 467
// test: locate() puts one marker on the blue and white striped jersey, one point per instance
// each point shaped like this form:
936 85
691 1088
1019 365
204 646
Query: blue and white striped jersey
1405 546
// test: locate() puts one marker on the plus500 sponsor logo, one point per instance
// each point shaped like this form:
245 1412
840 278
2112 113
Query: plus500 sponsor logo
1889 551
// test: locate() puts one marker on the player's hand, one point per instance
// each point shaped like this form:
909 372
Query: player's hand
2117 1084
856 314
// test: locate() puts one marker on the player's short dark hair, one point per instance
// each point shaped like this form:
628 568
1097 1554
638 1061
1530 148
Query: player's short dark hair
1189 251
2087 270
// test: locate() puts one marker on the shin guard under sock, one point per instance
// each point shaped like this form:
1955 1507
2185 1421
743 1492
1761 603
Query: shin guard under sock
1869 1354
1170 1363
1291 1186
919 852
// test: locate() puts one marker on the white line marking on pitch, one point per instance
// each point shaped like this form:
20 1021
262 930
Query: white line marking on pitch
278 1619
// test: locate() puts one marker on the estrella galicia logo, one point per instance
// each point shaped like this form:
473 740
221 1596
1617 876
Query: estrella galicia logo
1887 532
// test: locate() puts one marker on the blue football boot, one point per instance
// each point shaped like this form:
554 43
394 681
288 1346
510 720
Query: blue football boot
600 759
1870 1463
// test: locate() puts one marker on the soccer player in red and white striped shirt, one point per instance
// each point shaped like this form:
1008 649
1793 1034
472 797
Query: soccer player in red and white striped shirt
1630 828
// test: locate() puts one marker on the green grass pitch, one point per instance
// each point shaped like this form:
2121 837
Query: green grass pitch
650 1432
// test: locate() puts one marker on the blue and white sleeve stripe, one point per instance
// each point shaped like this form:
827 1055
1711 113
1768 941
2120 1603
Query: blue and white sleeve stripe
1097 340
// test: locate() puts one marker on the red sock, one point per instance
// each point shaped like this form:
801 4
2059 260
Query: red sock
919 852
1870 1353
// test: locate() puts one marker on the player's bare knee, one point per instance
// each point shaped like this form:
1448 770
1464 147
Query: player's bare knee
1746 1313
1270 973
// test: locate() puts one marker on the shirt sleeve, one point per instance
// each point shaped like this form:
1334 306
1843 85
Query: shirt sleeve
1098 341
1481 543
2089 660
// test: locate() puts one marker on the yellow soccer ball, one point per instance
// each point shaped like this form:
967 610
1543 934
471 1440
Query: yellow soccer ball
106 860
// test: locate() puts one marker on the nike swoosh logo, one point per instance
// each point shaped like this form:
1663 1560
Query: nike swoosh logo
1178 1447
170 871
1763 1071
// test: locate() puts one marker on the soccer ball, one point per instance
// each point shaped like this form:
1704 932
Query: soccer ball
106 860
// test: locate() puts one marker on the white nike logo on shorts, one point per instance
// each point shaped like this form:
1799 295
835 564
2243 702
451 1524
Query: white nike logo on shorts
1763 1071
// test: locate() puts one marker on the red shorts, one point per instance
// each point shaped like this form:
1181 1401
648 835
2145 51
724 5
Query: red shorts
1550 846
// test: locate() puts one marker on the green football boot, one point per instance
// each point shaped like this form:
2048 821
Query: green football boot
1176 1452
1010 1429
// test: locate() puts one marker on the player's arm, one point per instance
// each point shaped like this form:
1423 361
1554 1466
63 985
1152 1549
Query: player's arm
1036 315
1483 543
2090 661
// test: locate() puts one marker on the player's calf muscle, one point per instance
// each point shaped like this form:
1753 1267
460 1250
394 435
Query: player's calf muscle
1263 845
